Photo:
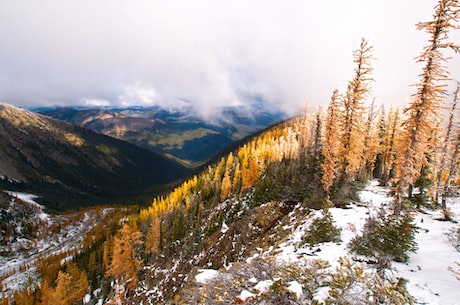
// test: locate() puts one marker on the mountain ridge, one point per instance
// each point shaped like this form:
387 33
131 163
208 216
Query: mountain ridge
181 135
52 158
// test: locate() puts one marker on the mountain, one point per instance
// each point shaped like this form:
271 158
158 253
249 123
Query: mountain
68 166
257 227
179 134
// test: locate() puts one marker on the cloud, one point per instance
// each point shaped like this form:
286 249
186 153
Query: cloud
204 54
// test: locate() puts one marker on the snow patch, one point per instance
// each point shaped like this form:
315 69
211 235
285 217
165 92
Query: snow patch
205 275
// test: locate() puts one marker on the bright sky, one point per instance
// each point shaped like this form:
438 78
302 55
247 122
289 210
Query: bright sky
205 53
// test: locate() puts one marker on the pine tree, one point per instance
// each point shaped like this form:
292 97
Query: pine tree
427 101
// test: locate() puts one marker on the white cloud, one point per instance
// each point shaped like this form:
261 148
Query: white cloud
96 102
204 53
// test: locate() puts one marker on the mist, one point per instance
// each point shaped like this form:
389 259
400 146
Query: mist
205 54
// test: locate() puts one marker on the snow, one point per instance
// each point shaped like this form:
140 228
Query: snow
18 267
296 288
263 286
29 198
245 296
427 273
205 275
224 228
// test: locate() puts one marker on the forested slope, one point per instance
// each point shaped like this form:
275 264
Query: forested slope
294 189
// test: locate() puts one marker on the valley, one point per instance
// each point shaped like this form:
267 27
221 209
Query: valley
69 167
196 202
179 134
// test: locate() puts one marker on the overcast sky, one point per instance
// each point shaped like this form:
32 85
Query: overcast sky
205 53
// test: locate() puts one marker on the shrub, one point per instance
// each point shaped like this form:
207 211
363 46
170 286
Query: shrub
454 238
351 285
386 237
456 273
321 230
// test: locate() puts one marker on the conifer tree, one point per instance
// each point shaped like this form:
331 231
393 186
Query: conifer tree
352 109
71 287
382 134
153 239
427 101
125 264
452 170
446 145
371 143
236 181
331 144
226 186
389 150
317 141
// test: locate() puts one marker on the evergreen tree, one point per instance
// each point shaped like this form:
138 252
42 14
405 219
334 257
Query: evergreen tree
389 149
330 146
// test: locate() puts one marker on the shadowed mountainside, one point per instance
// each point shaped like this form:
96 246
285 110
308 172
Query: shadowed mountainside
69 166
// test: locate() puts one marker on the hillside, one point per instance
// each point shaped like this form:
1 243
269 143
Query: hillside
245 232
285 268
345 205
180 134
69 166
32 241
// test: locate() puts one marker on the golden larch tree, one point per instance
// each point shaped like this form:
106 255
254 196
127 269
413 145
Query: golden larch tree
330 143
371 144
424 110
125 264
446 145
226 187
352 110
389 145
153 238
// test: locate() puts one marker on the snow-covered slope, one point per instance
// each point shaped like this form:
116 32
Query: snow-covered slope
29 236
428 279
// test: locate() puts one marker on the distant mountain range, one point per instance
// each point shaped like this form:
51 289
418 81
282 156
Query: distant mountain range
68 166
178 134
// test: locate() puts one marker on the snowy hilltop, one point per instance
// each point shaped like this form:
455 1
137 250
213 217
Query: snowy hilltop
310 274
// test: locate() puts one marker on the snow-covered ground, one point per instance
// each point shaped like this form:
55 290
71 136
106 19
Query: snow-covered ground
429 280
57 234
